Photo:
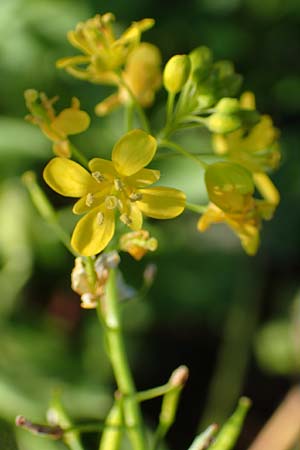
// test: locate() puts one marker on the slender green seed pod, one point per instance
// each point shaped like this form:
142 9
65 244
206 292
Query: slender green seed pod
203 440
230 431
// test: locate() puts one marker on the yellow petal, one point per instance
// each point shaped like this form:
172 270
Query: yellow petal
161 202
68 178
91 200
93 232
62 148
249 237
266 188
133 152
105 167
108 105
212 215
136 217
72 60
134 31
144 177
71 121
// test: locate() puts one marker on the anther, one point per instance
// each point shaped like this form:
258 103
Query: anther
120 204
111 202
98 176
119 185
89 199
100 218
125 219
135 196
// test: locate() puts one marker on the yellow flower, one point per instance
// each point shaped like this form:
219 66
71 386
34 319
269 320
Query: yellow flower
138 243
103 54
142 75
256 149
230 188
117 185
245 223
57 128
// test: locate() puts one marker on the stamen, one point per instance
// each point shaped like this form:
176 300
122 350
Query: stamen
135 196
100 218
120 204
111 202
125 219
98 176
89 199
119 185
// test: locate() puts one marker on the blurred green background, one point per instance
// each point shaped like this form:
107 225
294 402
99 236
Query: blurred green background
231 318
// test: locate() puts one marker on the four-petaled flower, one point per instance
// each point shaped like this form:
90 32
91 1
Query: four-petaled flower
57 127
245 223
117 185
142 77
103 54
230 188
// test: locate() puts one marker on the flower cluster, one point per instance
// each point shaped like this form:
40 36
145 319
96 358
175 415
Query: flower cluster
200 93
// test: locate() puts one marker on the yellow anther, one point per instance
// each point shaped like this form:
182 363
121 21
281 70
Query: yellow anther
98 176
135 196
100 218
89 199
119 185
120 204
111 202
125 219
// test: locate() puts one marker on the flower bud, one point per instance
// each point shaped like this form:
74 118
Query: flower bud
223 123
176 73
137 243
228 106
229 186
201 62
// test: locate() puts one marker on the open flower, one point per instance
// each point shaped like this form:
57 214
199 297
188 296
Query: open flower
257 149
103 54
245 223
142 76
117 185
57 127
230 188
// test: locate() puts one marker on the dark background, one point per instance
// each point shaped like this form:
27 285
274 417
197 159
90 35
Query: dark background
211 306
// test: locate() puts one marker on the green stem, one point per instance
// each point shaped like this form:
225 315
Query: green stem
154 392
179 149
195 119
239 327
139 109
79 156
170 107
200 209
129 116
90 271
120 365
45 209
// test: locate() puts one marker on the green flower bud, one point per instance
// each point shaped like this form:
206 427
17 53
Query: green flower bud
201 60
176 73
228 106
229 186
223 123
276 350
